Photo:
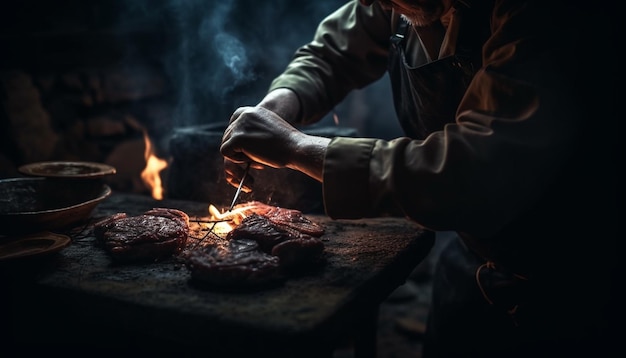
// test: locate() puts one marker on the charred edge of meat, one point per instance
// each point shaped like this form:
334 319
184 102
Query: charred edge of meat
151 236
295 220
100 227
173 214
238 265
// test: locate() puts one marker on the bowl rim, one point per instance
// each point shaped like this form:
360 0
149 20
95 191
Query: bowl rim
52 169
105 191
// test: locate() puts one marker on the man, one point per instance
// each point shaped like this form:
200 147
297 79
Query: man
510 142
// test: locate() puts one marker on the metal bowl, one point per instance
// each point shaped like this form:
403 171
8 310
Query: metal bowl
65 169
33 204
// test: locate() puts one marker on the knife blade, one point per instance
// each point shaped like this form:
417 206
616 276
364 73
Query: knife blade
245 173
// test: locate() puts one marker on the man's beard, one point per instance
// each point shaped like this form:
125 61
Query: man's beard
419 21
426 13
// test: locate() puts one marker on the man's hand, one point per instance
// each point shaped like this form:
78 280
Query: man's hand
260 136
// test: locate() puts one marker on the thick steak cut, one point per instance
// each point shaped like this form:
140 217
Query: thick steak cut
282 216
153 235
238 264
294 248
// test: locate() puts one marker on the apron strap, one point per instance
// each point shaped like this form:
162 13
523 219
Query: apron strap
398 37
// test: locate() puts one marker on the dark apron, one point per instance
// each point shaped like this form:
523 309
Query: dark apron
426 97
478 307
475 302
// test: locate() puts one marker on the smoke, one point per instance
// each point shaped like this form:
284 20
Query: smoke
227 52
224 54
233 53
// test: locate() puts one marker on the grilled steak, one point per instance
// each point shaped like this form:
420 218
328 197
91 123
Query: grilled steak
239 263
283 217
294 248
153 235
255 253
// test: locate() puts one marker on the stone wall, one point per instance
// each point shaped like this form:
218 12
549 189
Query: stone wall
92 114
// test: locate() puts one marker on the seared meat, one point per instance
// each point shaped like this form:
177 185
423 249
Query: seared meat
295 220
153 235
239 263
255 253
283 217
260 229
293 247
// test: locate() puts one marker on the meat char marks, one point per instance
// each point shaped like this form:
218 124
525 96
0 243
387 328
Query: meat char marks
153 235
285 233
293 247
284 217
237 264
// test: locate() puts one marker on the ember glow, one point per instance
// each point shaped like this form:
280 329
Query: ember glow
226 221
151 173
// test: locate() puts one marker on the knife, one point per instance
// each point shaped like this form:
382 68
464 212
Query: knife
245 173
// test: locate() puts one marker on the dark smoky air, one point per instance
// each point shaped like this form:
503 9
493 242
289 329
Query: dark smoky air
217 55
226 53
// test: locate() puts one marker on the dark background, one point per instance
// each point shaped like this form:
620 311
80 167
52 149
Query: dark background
84 80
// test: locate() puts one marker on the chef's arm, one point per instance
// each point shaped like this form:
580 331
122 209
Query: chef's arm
308 156
308 151
284 102
348 52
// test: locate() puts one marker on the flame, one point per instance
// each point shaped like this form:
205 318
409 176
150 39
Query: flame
336 118
151 173
225 221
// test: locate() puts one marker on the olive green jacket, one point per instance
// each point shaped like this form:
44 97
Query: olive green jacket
507 165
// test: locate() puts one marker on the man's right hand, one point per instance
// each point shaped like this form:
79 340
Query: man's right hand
260 136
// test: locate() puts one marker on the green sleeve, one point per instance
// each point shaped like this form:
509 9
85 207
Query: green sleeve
349 51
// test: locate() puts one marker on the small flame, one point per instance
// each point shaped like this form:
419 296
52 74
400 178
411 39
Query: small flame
226 221
151 173
336 118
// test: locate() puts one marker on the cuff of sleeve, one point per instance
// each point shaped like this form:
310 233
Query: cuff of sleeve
346 177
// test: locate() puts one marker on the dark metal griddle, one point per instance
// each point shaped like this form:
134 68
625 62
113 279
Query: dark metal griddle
82 299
